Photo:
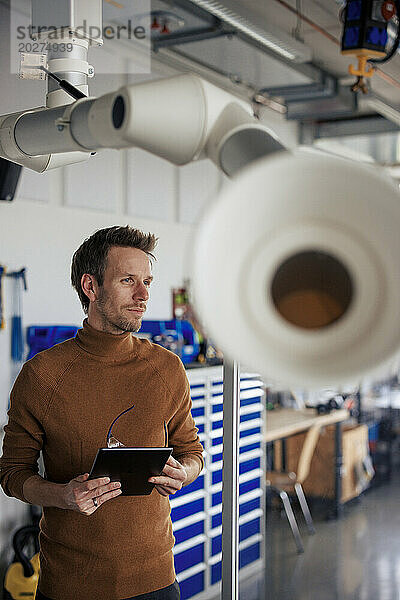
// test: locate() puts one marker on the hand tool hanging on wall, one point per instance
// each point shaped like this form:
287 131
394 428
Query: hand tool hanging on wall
17 337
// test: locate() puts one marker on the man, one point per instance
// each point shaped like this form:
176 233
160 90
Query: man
95 545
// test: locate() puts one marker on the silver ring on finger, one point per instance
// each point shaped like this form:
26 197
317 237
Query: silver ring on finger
95 502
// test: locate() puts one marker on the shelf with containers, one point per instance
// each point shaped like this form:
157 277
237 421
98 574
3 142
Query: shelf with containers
196 510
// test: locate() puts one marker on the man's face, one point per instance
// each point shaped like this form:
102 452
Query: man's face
121 300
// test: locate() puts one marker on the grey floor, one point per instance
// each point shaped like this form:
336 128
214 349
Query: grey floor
355 558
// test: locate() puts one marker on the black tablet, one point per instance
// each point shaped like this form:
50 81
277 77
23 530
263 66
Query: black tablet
131 466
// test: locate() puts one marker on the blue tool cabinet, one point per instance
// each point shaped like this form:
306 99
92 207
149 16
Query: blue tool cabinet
197 509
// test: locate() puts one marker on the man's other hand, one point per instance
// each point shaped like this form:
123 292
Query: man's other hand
86 495
171 479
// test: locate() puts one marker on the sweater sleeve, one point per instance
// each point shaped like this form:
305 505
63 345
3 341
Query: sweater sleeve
23 435
182 431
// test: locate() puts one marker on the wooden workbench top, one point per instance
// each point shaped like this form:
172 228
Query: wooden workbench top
283 422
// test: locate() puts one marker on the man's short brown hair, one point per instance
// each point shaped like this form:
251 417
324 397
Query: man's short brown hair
91 256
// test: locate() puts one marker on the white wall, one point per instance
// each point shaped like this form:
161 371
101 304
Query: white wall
52 214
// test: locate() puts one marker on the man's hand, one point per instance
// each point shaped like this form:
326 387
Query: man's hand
171 479
80 492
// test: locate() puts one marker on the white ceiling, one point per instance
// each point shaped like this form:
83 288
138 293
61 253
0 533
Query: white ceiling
259 68
270 14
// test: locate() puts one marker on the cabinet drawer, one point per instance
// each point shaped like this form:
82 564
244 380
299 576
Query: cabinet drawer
249 529
188 558
192 585
190 508
249 554
189 532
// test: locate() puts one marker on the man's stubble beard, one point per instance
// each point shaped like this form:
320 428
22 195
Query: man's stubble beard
116 321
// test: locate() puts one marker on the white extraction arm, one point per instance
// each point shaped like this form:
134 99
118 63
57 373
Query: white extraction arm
181 119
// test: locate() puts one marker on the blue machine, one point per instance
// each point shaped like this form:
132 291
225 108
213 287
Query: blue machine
178 336
365 27
45 336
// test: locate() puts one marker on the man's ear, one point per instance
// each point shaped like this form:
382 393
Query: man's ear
89 286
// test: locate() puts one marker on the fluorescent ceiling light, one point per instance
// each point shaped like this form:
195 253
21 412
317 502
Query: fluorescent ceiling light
277 41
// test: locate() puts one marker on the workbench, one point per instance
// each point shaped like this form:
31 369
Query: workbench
283 422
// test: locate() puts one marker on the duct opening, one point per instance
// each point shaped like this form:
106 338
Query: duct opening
118 112
312 290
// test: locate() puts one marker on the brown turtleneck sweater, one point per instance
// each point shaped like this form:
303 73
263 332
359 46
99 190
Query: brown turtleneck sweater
63 402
